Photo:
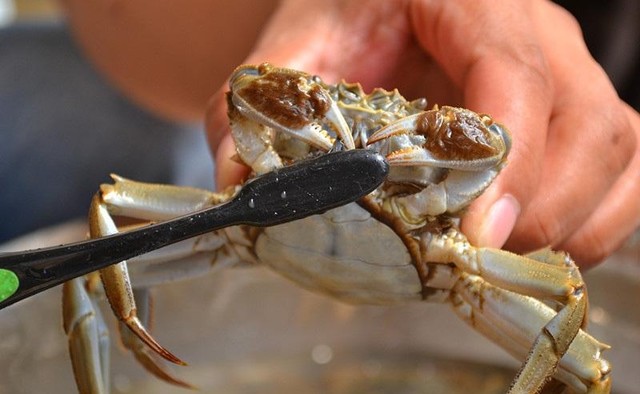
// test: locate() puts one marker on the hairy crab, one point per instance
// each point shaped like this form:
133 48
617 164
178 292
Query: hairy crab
400 243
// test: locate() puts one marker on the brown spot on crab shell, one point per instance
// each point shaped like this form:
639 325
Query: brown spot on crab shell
455 135
278 96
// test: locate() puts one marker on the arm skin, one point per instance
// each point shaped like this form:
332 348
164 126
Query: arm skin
168 56
574 172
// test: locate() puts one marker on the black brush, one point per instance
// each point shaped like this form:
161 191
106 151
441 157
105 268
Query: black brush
289 193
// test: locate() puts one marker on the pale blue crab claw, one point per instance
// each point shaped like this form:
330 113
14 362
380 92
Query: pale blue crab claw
289 101
448 137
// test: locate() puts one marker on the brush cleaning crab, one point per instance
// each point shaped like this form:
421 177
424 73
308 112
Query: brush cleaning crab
400 243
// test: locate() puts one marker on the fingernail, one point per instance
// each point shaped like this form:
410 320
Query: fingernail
499 223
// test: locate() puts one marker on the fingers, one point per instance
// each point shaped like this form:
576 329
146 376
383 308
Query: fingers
585 155
589 145
616 217
572 138
491 52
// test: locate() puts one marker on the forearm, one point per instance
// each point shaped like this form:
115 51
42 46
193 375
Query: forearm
169 56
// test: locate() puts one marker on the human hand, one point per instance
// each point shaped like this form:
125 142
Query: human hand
574 169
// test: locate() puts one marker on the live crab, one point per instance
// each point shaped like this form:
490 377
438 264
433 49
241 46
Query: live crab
401 243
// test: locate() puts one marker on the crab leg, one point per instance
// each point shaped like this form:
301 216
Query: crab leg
514 322
504 269
265 100
289 101
145 356
117 285
254 145
83 321
450 195
468 156
88 338
513 313
475 145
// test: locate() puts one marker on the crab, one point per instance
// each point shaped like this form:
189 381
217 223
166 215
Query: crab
400 243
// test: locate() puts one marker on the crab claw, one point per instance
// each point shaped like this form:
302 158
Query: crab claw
289 101
448 137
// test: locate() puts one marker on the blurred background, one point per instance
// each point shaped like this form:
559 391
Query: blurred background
63 129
